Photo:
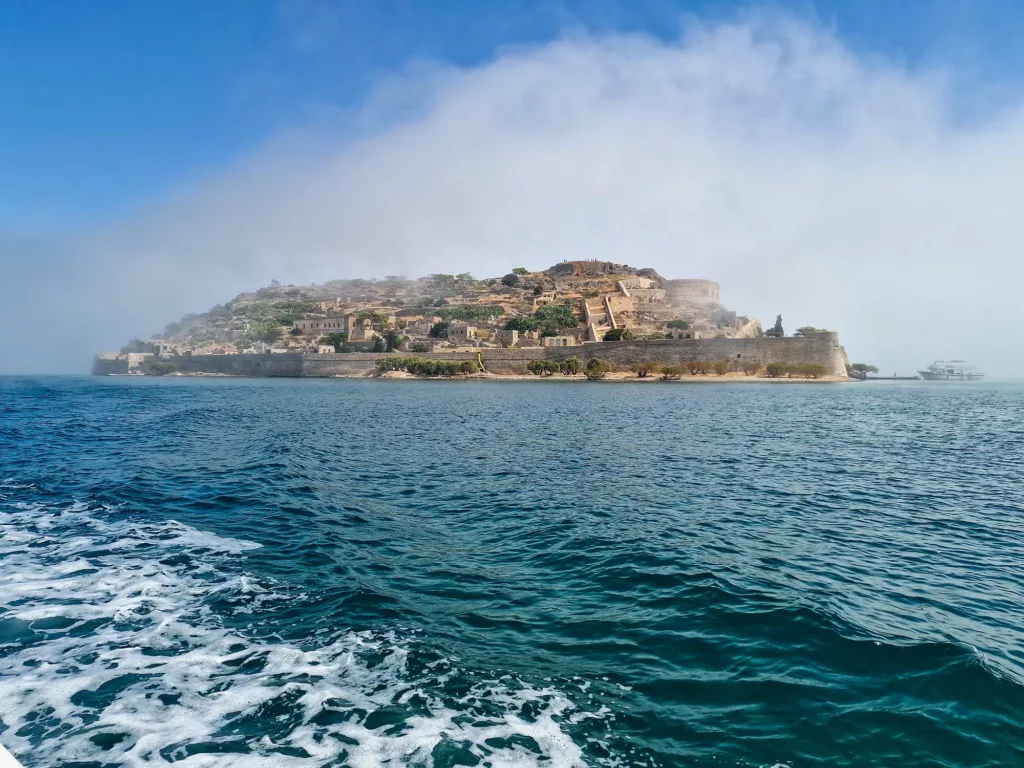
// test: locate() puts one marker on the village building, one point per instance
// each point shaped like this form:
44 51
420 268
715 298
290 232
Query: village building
359 330
309 326
461 332
506 339
559 341
544 298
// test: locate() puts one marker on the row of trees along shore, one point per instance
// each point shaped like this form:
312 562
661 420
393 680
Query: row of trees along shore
599 369
594 369
421 366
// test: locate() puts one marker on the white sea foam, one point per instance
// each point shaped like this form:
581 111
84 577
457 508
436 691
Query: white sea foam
114 655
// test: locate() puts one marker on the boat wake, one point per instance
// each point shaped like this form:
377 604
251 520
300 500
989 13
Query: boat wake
110 652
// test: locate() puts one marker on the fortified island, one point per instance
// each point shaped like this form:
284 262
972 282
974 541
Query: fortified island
589 318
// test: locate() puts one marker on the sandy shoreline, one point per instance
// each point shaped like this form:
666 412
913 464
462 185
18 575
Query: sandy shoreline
612 377
615 377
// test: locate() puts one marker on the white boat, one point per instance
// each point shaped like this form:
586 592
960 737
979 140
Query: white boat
950 370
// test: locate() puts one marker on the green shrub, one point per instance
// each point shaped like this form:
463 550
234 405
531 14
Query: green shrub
555 316
645 369
681 325
721 367
672 372
543 367
619 334
815 371
808 370
439 330
267 332
471 313
420 366
335 340
522 324
596 369
571 367
750 367
160 368
393 340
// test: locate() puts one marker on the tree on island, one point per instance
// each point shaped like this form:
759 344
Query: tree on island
394 340
571 367
549 319
681 325
596 369
266 332
336 340
523 324
510 280
440 330
860 370
555 316
378 344
619 334
645 369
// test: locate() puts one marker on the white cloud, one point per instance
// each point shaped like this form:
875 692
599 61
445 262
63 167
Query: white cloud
807 180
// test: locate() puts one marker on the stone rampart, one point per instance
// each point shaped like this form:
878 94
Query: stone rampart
109 366
287 364
676 351
821 351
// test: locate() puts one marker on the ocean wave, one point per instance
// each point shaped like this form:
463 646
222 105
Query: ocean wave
110 653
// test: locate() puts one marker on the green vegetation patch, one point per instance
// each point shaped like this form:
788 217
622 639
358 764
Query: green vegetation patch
421 366
470 313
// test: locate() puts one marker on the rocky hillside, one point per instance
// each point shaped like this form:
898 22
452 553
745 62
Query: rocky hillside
579 300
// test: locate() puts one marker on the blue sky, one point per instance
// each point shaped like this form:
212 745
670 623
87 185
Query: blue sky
106 106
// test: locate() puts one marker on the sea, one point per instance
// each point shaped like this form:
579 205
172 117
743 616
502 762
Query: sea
338 572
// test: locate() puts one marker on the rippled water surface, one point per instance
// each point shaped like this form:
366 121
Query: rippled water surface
356 573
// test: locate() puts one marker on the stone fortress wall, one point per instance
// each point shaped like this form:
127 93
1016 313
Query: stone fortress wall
823 349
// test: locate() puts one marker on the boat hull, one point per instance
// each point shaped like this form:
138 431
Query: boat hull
930 376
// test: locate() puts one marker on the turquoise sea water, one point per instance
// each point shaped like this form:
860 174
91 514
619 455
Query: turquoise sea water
216 572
